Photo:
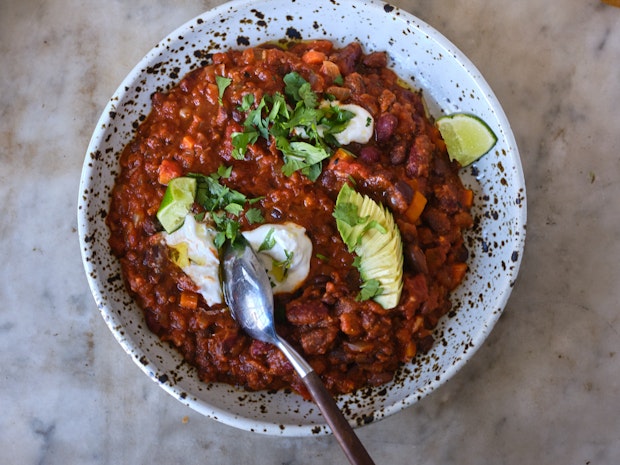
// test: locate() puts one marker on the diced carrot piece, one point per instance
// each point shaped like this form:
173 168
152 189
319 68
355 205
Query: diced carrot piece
312 57
468 198
458 273
341 155
410 351
169 169
188 142
189 300
416 207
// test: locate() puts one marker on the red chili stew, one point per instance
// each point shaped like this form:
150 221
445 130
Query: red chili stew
405 166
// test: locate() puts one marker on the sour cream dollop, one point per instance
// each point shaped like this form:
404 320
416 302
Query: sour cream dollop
198 257
286 255
360 127
286 258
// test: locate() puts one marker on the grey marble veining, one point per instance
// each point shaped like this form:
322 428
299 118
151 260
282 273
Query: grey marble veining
544 388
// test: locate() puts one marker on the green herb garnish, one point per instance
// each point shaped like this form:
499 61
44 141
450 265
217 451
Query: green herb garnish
370 289
223 204
292 121
280 268
349 213
246 102
254 215
269 242
222 83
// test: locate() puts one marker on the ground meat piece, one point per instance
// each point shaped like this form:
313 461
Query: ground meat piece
306 312
437 220
318 340
386 99
347 57
355 83
340 93
375 60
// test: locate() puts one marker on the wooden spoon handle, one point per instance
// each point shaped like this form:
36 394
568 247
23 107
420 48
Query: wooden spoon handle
350 443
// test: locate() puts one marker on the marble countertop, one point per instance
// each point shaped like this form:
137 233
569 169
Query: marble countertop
544 388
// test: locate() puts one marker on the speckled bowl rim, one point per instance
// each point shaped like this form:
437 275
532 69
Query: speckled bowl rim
496 243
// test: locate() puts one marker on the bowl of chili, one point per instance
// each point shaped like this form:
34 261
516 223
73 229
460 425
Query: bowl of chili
129 287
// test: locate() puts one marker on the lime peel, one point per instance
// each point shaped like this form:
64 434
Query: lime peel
467 137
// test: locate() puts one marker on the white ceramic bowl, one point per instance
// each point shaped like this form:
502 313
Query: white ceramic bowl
450 83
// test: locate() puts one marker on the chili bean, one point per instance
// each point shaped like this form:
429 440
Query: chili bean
369 154
437 220
319 340
385 126
418 163
306 313
398 154
461 254
405 189
415 259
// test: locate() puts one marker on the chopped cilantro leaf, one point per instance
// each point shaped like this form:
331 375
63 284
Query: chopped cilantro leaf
348 213
222 83
293 82
240 142
287 118
302 156
280 268
219 239
269 242
234 208
224 171
336 119
371 288
222 202
246 102
254 215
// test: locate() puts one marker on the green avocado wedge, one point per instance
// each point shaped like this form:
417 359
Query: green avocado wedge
368 230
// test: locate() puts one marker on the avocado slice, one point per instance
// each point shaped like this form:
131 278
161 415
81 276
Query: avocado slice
368 230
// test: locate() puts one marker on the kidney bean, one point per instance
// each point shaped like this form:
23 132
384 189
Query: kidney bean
415 259
398 154
405 189
369 154
385 126
420 156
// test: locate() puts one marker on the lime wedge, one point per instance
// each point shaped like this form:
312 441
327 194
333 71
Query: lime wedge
467 137
177 202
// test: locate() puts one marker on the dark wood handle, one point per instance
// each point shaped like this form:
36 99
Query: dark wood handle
350 443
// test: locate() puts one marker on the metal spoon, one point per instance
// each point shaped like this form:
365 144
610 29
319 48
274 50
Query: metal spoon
247 292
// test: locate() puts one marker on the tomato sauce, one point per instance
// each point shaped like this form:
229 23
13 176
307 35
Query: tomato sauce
405 166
